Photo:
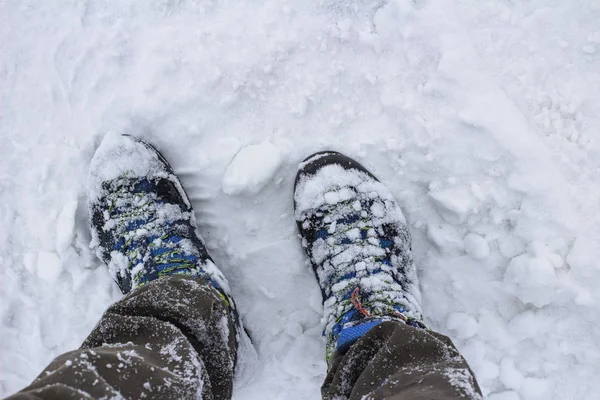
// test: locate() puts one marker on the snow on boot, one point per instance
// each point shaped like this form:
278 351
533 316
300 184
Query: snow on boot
359 246
143 224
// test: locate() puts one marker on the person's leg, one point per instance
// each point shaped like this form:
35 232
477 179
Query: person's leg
357 240
175 334
397 361
170 339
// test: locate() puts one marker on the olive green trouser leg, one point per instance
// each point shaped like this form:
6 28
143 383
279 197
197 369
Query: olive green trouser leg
397 361
170 339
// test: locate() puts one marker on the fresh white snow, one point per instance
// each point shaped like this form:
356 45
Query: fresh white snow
481 116
251 169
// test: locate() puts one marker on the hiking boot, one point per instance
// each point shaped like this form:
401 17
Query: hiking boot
356 238
143 225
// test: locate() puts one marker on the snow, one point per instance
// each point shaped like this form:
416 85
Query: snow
532 279
508 395
463 325
116 156
453 204
510 376
481 117
476 246
49 266
251 169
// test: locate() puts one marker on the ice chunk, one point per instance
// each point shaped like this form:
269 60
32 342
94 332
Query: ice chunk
532 278
445 238
332 227
353 234
453 204
251 169
476 246
331 197
377 210
511 245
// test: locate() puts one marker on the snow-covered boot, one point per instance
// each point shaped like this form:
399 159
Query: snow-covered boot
359 246
143 224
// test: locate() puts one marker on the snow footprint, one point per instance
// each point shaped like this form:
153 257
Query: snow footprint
251 169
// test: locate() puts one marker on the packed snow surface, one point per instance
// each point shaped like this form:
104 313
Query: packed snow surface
482 117
251 169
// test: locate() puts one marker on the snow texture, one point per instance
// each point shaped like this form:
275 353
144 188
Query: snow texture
251 169
119 156
494 102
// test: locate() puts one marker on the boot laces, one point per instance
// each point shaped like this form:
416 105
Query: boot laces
148 232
